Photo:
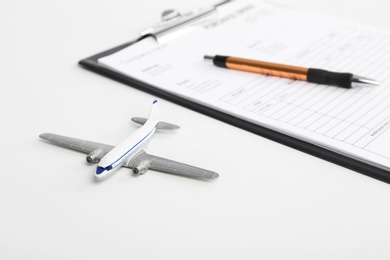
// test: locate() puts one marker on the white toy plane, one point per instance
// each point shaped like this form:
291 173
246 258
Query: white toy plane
130 152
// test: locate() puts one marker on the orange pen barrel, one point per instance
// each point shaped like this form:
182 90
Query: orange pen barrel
267 68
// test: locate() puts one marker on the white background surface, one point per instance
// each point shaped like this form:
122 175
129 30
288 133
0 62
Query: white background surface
270 202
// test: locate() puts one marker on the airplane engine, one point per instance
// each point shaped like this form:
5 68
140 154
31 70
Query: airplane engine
141 168
95 156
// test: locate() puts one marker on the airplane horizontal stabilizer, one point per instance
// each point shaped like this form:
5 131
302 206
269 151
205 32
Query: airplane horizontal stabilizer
160 125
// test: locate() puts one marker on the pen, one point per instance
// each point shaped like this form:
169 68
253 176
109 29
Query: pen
319 76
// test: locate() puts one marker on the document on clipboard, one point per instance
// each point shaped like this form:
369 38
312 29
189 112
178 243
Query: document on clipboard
350 127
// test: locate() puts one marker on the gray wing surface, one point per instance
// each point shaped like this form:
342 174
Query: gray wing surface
169 166
76 144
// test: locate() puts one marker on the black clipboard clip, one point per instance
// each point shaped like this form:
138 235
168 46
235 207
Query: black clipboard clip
173 20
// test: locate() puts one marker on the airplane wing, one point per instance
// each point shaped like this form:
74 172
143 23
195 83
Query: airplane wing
76 144
140 162
147 161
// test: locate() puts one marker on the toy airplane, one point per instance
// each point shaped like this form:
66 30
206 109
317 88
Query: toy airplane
130 152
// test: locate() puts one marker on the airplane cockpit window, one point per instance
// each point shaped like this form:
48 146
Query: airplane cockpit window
100 169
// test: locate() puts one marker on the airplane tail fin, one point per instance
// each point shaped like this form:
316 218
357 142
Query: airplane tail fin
154 117
154 113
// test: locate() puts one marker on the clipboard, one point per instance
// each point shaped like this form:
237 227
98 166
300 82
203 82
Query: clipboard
171 20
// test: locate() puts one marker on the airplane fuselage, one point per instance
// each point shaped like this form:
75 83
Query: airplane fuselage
128 148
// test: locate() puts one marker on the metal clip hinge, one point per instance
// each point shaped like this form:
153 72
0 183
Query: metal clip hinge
173 19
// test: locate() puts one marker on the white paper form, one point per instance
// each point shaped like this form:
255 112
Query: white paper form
354 122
